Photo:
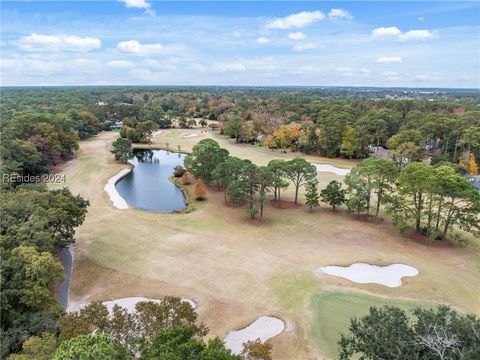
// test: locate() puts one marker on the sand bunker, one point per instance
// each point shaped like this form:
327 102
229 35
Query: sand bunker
190 135
126 303
390 275
332 169
130 303
265 327
112 192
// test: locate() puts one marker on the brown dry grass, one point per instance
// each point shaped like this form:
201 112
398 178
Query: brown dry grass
236 270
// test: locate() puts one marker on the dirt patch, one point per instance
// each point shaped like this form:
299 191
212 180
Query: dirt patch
366 218
422 239
283 204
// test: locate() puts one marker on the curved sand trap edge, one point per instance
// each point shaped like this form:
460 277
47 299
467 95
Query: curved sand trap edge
190 135
118 201
264 327
332 169
361 273
128 303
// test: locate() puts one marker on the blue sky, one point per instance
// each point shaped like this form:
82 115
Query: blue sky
133 42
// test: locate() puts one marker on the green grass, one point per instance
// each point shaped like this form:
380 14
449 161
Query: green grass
332 311
292 290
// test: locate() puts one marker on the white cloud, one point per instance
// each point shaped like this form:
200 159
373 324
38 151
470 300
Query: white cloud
31 67
390 75
120 64
86 62
296 36
365 72
299 20
386 32
337 14
394 32
305 46
389 59
134 47
46 43
344 71
230 67
427 77
304 70
138 4
417 35
263 40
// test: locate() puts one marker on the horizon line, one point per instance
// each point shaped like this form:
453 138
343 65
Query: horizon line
248 86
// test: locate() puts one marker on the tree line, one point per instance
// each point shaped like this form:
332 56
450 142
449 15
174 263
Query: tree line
431 200
244 182
341 122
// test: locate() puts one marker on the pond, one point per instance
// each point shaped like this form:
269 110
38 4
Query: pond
148 186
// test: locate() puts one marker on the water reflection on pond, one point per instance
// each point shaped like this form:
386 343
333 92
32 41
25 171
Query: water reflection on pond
147 187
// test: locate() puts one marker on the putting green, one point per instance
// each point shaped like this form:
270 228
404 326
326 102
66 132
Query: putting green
332 311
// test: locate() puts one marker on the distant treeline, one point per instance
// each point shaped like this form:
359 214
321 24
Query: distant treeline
41 125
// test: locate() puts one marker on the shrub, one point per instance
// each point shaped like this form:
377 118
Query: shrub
199 190
178 171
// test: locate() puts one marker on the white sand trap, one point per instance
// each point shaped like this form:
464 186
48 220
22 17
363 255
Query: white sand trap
112 192
190 135
389 275
126 303
265 327
130 303
332 169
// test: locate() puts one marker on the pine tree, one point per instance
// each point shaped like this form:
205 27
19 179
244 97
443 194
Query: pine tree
311 196
333 194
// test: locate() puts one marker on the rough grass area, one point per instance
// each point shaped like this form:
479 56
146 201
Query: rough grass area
332 311
237 270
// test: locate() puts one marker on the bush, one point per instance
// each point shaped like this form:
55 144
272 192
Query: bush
186 178
199 191
178 171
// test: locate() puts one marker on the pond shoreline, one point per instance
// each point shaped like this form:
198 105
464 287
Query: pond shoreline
110 188
148 186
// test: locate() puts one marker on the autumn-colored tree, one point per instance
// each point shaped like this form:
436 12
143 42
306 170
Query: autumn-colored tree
186 178
348 147
469 163
199 190
285 137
